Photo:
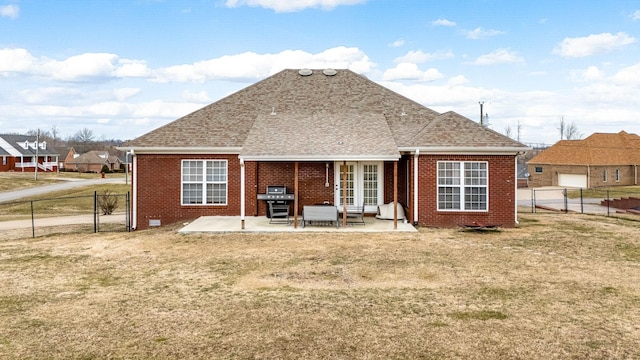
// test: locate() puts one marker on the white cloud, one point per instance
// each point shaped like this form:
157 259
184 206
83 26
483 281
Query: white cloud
250 66
628 75
410 71
592 44
292 5
132 69
82 67
15 61
480 33
201 97
635 15
500 56
443 22
418 56
592 73
10 11
122 94
397 43
46 95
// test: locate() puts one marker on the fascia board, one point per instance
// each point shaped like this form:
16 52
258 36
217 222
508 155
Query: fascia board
181 150
320 158
446 150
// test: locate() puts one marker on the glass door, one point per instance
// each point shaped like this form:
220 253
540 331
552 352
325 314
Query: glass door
363 185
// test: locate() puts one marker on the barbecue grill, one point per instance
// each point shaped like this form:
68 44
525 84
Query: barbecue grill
277 195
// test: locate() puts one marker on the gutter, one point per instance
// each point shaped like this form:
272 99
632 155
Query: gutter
181 150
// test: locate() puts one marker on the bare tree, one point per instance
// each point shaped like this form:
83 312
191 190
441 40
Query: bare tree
571 132
561 127
507 131
519 130
84 136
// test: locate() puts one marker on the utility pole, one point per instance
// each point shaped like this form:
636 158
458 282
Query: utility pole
37 146
481 112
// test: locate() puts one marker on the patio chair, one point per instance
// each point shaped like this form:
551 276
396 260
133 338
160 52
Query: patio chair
356 214
278 212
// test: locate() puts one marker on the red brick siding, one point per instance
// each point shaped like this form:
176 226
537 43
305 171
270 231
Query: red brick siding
311 182
158 190
501 193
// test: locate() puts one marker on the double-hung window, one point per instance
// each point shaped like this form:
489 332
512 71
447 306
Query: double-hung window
204 182
463 185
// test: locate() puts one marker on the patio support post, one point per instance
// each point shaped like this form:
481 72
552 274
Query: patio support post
395 195
295 196
344 193
242 202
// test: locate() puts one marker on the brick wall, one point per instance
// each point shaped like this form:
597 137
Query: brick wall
158 190
549 175
501 193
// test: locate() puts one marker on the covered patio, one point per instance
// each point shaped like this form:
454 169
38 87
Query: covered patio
222 224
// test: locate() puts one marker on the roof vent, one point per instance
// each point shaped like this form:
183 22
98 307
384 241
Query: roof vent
329 72
305 72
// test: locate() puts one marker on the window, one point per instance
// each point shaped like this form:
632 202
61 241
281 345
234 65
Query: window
538 169
204 182
604 175
462 185
617 175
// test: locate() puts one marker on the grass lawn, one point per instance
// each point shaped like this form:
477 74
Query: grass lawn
561 286
22 180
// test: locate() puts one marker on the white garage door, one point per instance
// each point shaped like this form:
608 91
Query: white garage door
572 180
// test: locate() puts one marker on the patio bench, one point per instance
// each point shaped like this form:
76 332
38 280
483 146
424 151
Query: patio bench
319 213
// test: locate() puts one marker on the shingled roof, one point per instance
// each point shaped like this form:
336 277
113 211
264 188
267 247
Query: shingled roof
598 149
297 115
22 145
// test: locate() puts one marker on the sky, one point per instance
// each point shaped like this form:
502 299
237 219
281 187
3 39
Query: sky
122 68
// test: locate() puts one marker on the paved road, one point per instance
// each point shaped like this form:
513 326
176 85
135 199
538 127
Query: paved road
66 185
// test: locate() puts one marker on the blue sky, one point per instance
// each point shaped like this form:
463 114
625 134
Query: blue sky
122 68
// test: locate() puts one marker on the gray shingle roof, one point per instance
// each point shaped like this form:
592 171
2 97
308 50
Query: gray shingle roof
344 115
15 140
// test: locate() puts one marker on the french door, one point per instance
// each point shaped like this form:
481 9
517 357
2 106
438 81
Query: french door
363 185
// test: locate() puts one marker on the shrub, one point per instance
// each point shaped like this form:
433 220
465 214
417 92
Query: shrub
108 202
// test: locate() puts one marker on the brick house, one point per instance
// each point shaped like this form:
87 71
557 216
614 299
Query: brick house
602 159
93 161
22 153
319 132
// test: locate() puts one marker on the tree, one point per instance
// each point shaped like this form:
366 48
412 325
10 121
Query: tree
571 132
507 131
561 127
84 136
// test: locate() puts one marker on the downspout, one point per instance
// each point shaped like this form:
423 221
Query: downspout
635 181
242 193
134 191
588 176
415 186
515 158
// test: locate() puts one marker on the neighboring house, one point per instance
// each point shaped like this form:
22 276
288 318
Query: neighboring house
66 154
22 153
298 128
93 161
600 160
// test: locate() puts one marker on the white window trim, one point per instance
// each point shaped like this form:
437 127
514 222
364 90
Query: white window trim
204 182
462 187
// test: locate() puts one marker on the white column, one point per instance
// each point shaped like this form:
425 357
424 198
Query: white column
134 191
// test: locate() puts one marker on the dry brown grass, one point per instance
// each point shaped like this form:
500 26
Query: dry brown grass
22 180
559 287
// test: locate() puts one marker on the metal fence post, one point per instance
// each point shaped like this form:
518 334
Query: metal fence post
95 211
566 201
127 213
33 225
533 201
608 202
581 203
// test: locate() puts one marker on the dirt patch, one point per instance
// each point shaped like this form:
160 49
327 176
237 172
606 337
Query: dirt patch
559 286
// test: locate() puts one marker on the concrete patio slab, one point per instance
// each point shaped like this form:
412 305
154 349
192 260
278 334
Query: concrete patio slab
212 224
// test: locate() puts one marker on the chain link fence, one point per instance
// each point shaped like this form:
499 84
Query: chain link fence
605 202
105 212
